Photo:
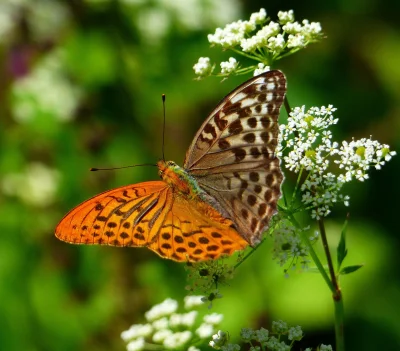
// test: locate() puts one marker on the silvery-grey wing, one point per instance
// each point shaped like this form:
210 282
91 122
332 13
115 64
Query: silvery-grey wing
232 156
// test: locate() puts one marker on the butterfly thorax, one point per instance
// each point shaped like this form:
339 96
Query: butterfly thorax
177 178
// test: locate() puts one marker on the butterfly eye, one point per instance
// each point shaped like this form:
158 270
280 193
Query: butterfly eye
161 174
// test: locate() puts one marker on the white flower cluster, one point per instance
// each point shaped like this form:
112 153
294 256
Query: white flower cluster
306 145
270 340
261 39
288 245
36 185
261 68
170 329
155 20
203 67
229 66
46 91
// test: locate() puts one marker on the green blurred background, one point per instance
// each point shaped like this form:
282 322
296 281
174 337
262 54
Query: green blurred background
80 87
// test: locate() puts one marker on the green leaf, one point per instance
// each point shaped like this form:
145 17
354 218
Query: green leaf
350 269
341 249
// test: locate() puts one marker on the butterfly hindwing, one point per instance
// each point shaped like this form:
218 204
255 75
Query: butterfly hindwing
195 231
232 156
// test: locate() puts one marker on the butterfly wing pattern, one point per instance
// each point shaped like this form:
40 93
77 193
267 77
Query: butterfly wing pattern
126 216
233 156
218 203
150 214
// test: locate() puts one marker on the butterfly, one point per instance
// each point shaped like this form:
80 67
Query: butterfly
220 201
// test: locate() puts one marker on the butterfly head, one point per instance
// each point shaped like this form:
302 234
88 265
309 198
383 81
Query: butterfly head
178 178
164 167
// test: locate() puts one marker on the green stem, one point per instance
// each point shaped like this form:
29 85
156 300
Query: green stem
337 294
287 106
296 187
313 253
332 282
248 254
339 322
324 239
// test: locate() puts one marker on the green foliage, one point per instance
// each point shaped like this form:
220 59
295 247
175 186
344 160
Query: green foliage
350 269
342 249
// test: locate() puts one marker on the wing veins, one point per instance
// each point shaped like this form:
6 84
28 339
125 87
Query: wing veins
145 211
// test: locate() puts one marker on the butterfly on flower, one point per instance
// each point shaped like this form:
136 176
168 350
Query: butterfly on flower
220 201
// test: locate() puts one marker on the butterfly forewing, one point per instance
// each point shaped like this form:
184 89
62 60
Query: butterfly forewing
152 214
127 216
233 154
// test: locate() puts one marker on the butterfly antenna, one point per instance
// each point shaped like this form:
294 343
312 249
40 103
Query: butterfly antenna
163 133
113 168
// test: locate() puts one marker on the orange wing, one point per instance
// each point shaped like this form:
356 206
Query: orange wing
127 216
194 231
151 214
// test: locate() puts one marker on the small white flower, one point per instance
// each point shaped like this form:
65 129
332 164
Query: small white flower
177 340
205 330
311 30
249 44
279 327
229 66
136 331
219 339
160 335
292 28
261 335
296 41
203 67
161 323
186 319
193 348
247 334
295 333
261 69
260 39
213 318
276 44
231 35
325 347
273 343
193 301
258 17
165 308
136 345
286 16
